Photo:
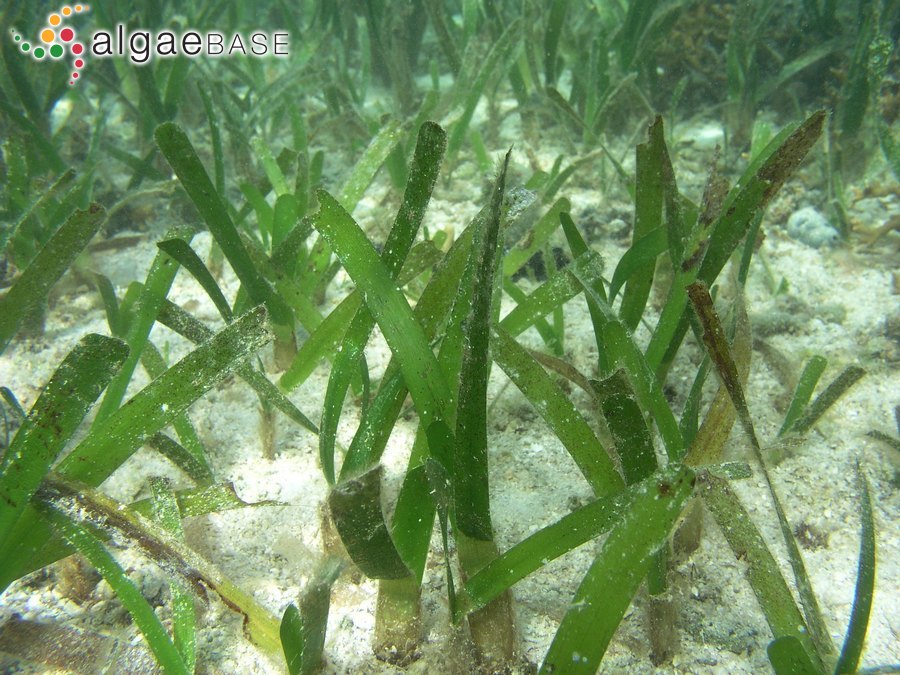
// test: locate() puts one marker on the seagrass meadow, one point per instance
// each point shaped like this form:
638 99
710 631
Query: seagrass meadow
449 336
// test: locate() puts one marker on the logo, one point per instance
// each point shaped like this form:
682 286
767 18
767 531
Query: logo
56 40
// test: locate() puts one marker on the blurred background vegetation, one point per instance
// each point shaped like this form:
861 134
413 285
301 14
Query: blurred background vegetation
588 71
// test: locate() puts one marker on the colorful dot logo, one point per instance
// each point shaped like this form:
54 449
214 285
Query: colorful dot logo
56 39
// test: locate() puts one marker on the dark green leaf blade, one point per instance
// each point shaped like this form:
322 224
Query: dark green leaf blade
129 595
423 174
556 291
546 544
55 416
746 201
613 579
387 304
176 453
837 388
181 251
109 444
865 584
806 384
579 247
627 426
292 642
625 354
719 351
32 287
763 573
191 328
639 255
180 153
788 657
137 331
470 472
356 510
303 630
155 406
647 218
431 311
184 628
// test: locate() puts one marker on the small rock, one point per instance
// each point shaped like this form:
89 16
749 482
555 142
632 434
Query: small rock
811 227
705 136
619 227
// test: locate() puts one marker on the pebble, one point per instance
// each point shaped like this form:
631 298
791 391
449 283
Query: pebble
704 136
812 228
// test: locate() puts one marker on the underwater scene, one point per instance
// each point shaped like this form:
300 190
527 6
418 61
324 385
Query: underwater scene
450 336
